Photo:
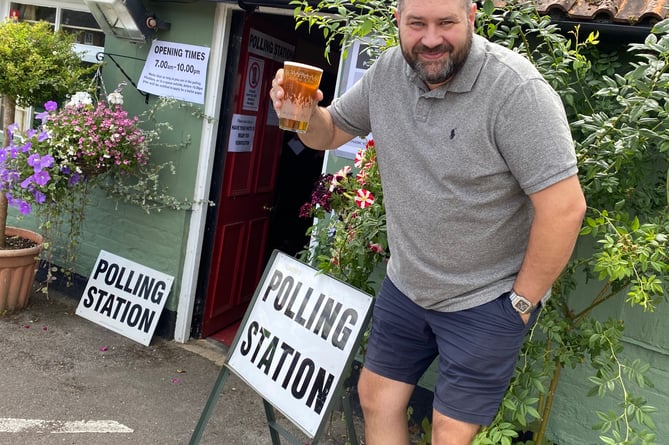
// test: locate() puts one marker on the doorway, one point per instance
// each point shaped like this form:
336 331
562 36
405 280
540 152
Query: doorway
262 175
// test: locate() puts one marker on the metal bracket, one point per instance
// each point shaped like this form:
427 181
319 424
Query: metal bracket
100 57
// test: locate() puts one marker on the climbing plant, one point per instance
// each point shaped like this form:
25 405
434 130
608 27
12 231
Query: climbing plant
618 111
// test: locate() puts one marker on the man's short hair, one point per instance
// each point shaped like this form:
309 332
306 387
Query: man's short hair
466 3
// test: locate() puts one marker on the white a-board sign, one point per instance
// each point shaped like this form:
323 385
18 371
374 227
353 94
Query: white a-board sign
298 337
125 297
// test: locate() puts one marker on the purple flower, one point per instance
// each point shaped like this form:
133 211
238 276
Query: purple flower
11 129
24 207
51 106
41 177
43 116
74 179
47 161
40 197
39 162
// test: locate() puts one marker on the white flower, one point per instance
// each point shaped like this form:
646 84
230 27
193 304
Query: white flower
115 98
80 98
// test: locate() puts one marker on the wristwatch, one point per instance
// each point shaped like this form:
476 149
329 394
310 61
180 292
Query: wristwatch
520 303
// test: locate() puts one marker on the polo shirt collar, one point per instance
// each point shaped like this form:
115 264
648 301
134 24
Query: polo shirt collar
464 80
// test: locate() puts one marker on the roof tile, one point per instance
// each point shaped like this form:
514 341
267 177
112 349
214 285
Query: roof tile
624 12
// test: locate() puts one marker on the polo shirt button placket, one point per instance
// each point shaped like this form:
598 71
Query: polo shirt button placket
422 109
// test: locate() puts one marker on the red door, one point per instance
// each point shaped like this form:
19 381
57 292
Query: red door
250 169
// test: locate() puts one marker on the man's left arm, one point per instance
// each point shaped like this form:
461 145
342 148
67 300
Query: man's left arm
558 215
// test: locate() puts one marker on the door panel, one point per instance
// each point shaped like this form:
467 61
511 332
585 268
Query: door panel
248 189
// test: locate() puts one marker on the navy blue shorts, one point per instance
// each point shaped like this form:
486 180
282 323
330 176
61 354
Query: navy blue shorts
477 349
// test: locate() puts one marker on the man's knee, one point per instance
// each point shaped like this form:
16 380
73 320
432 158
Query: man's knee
378 393
367 390
449 431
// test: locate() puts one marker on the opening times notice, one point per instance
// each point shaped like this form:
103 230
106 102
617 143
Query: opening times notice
175 70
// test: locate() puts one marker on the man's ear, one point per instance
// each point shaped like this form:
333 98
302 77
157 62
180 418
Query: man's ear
472 14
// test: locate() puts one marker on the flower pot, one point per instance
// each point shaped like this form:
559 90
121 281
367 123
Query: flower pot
17 271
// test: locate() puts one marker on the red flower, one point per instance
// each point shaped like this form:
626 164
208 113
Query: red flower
339 176
364 198
376 248
359 158
343 172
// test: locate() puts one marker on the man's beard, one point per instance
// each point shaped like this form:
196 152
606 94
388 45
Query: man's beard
437 72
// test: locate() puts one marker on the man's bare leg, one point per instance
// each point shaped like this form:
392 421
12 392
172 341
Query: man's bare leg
448 431
384 404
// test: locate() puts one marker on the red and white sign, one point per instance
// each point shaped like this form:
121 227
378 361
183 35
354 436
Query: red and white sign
254 75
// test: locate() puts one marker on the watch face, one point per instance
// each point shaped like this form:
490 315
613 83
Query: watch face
522 306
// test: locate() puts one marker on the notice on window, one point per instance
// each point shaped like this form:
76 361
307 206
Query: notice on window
252 89
175 70
125 297
242 129
354 67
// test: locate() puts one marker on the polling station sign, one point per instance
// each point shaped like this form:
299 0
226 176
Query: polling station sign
125 297
297 338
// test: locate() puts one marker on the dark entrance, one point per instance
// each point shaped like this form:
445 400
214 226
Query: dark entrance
262 175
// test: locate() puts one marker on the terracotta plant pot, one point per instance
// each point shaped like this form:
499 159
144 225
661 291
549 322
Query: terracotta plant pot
17 271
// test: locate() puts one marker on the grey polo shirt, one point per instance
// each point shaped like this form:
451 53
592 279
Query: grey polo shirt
457 165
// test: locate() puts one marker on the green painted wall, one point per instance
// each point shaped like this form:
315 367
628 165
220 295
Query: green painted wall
645 339
156 240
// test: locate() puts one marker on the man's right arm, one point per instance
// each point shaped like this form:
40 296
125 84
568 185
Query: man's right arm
322 133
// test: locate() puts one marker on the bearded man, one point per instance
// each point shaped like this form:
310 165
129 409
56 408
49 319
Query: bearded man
483 209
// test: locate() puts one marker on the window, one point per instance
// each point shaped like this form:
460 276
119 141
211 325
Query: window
90 39
32 13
